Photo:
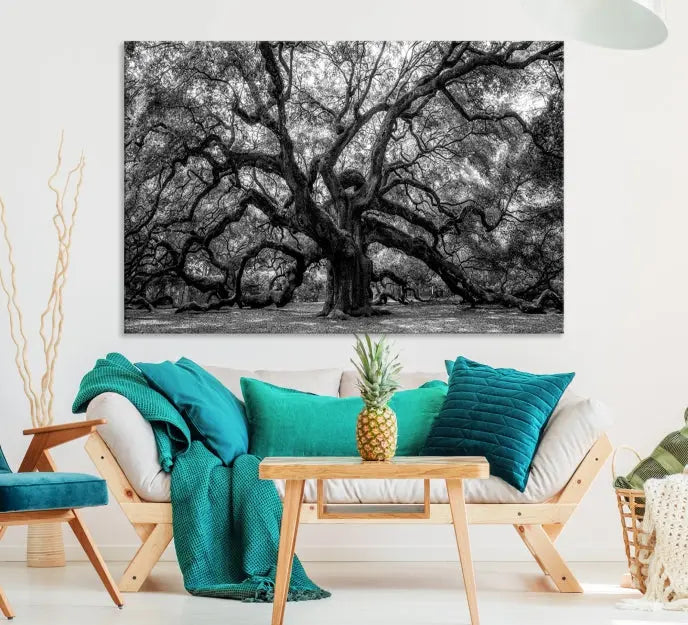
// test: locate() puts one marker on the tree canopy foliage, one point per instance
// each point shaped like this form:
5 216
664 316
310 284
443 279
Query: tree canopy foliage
343 171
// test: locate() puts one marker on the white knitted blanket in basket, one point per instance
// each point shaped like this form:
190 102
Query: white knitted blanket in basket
666 514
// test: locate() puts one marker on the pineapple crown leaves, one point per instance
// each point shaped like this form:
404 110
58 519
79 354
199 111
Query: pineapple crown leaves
378 370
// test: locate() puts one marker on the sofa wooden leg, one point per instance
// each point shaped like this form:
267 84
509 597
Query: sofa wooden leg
84 537
547 556
553 531
146 558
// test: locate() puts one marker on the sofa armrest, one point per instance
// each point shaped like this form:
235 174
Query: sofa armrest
130 439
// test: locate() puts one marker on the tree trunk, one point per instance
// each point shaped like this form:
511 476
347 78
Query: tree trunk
348 286
349 291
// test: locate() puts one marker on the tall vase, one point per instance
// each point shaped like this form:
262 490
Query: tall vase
45 546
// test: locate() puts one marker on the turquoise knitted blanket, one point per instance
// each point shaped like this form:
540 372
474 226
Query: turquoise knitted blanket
226 520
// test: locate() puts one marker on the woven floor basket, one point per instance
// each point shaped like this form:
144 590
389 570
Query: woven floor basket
631 509
631 505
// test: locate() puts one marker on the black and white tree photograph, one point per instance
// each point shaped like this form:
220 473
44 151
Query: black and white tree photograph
347 186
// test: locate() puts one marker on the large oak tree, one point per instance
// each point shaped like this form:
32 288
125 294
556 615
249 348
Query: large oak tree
249 163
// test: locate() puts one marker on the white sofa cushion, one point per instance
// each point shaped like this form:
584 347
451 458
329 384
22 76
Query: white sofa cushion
318 381
572 430
410 379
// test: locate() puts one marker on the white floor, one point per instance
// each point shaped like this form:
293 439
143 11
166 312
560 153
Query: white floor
512 593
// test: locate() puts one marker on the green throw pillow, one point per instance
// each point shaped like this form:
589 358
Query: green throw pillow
669 457
212 411
285 422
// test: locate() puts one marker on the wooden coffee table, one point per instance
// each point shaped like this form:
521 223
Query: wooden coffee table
297 470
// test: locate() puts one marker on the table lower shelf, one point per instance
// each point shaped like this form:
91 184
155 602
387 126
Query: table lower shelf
372 511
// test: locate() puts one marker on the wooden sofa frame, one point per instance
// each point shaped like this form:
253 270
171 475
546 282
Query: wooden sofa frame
538 525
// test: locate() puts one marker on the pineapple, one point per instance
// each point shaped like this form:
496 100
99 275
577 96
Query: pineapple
376 427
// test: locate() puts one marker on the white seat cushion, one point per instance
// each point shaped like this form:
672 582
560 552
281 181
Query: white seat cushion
573 428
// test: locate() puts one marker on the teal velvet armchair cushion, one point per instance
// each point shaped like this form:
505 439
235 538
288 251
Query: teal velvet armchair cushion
36 490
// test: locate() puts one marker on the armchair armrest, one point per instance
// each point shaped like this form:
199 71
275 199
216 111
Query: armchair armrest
45 438
65 426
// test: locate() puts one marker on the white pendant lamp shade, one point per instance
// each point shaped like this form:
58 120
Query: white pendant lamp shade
625 24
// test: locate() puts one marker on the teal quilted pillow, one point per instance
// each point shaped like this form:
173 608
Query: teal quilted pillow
496 413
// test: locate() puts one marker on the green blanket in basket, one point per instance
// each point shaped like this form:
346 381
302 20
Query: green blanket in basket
226 520
669 457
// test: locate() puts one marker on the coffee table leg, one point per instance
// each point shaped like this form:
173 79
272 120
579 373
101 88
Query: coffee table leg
458 509
293 497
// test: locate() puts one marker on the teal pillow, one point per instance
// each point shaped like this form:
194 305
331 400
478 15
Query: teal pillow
435 384
449 366
285 422
213 412
496 413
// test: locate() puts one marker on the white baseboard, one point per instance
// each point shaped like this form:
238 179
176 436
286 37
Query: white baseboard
438 553
348 553
74 553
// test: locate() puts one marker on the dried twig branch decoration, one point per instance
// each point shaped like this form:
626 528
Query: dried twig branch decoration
52 318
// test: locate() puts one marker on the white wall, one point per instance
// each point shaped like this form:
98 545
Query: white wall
626 260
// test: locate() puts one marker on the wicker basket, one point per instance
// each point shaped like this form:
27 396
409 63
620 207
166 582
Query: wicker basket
638 544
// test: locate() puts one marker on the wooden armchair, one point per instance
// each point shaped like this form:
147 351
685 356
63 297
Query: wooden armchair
37 493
